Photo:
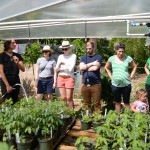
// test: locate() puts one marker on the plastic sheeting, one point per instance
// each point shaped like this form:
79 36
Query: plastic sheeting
23 19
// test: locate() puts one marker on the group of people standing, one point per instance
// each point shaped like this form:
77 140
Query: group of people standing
50 74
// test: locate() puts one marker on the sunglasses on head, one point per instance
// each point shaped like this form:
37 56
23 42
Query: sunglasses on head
64 49
120 45
45 51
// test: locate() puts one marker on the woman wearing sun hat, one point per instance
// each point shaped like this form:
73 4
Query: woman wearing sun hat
45 74
65 69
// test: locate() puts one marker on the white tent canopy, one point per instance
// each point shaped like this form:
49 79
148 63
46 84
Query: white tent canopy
34 19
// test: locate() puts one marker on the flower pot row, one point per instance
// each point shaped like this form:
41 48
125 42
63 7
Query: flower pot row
33 118
125 130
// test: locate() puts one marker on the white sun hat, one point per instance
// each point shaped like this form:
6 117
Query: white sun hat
46 48
65 44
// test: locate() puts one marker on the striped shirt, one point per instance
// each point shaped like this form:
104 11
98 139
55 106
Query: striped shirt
120 75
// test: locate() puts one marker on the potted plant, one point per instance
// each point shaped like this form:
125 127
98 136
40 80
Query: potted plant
97 120
86 122
47 121
19 122
101 143
5 120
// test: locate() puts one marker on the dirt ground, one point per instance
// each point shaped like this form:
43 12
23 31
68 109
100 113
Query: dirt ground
138 82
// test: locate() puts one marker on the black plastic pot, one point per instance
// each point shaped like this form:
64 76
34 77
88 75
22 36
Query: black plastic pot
97 124
11 142
86 125
66 120
24 146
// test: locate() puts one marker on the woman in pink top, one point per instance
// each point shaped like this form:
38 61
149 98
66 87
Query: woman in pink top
140 105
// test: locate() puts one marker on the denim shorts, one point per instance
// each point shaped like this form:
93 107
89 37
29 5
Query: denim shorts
45 86
124 92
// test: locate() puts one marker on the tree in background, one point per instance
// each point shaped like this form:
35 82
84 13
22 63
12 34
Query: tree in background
1 46
103 49
50 41
79 48
32 53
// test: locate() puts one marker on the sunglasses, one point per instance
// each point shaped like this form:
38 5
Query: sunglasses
45 51
120 45
64 49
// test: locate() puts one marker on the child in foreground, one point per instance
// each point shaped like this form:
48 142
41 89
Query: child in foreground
141 104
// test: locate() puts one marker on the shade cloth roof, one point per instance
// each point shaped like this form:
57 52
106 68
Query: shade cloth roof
34 19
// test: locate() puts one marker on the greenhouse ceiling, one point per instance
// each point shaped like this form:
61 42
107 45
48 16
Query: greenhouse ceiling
37 19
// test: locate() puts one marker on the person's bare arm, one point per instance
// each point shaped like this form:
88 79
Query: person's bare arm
55 78
133 108
146 69
36 74
107 69
19 63
96 66
58 65
134 67
90 66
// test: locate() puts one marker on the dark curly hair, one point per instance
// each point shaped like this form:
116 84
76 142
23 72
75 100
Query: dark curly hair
6 45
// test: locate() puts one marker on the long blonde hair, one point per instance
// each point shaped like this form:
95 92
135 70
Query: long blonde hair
139 93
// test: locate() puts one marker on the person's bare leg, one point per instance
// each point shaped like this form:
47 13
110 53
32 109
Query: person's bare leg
39 96
127 106
49 96
69 93
117 107
62 92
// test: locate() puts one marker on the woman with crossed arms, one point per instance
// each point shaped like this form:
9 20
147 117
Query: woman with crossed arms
65 69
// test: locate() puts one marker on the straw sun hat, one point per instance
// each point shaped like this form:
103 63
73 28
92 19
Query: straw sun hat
65 44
